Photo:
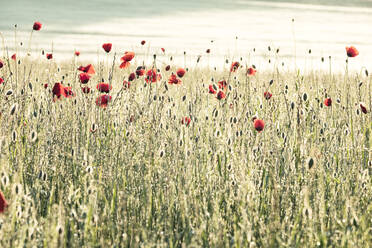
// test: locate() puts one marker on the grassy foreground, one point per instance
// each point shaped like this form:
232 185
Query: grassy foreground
78 175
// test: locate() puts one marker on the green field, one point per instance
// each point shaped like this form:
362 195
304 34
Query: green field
133 175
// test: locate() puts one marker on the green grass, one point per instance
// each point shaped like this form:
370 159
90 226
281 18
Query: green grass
144 179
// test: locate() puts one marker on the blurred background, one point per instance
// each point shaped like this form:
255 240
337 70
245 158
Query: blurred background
229 28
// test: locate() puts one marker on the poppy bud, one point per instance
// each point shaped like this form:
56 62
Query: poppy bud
363 108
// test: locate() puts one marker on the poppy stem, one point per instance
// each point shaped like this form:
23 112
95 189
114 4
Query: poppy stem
286 105
16 48
5 51
347 68
294 43
330 68
112 69
3 42
29 44
370 98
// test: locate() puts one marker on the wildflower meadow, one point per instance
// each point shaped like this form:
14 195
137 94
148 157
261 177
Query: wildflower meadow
128 152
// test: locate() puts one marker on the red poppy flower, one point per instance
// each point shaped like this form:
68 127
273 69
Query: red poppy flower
251 71
163 50
103 87
186 121
1 80
267 95
352 51
128 56
68 92
103 100
222 84
14 57
234 66
143 42
107 47
211 89
152 76
77 53
49 56
1 64
45 86
208 50
124 64
167 68
58 90
84 77
132 76
126 84
37 26
181 72
221 95
174 80
363 108
3 203
259 125
328 102
87 69
85 89
140 71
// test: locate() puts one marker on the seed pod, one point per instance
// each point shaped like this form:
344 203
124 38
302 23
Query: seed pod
310 163
14 136
304 97
33 136
13 109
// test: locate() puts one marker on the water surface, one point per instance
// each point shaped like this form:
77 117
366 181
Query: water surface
238 28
